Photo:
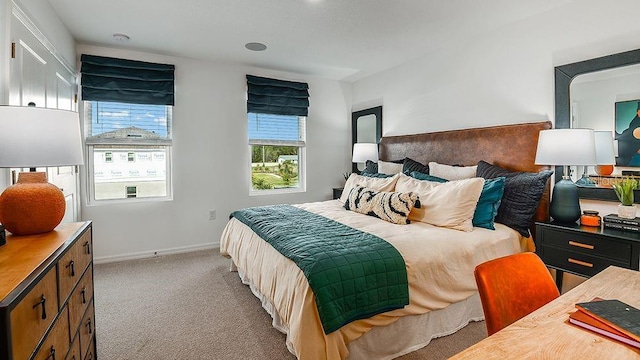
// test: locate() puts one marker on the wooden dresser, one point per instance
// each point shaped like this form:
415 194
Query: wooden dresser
46 295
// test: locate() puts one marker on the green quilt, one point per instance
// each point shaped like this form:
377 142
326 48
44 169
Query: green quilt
353 274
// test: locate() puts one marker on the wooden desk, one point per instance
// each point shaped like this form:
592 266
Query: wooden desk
546 333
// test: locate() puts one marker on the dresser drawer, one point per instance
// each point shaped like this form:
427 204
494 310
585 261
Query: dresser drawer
90 355
587 244
80 299
86 331
74 351
56 344
33 315
72 265
586 265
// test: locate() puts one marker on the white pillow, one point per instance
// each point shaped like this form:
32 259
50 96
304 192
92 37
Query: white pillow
389 168
378 184
451 204
452 172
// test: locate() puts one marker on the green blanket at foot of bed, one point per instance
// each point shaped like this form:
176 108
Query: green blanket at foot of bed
353 274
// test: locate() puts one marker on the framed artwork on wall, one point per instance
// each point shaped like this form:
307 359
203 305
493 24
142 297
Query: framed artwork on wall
627 122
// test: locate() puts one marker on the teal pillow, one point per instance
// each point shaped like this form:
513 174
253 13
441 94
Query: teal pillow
421 176
489 202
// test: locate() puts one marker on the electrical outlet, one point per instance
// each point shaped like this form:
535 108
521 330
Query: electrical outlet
212 214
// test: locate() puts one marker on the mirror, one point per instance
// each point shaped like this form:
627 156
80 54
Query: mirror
585 96
366 126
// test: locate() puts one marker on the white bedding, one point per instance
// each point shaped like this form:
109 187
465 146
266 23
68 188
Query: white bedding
439 261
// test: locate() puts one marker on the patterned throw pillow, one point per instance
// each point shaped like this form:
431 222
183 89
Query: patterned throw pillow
393 207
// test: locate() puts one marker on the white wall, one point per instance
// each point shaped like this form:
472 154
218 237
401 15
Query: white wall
502 77
211 157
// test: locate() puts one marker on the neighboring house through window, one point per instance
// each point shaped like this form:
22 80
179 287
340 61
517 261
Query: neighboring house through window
128 132
277 112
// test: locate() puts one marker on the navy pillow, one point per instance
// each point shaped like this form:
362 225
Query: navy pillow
409 165
489 203
375 175
421 176
372 167
522 193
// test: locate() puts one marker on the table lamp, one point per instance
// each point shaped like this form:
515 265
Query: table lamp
33 137
363 152
605 154
564 147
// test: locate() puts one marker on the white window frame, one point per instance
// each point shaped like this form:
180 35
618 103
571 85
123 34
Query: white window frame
302 161
134 144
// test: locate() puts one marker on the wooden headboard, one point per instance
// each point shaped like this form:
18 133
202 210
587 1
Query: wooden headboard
512 147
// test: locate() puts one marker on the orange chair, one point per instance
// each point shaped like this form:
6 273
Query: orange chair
511 287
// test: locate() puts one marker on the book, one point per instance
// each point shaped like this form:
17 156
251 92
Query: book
615 313
613 218
588 322
624 227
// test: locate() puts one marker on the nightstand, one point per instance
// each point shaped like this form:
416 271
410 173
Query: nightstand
584 250
337 192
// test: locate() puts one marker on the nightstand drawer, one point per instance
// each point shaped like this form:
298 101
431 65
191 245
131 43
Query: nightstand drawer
578 263
587 244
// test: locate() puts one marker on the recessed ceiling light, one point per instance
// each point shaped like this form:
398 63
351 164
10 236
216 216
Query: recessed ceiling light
120 37
256 46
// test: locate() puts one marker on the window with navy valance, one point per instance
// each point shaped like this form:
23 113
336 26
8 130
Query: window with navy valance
277 97
128 81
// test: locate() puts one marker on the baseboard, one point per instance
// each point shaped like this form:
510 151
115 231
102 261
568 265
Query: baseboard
153 253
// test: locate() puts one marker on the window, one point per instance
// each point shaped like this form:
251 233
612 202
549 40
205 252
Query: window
130 144
128 119
276 113
277 145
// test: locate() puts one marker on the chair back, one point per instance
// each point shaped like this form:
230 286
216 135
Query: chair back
511 287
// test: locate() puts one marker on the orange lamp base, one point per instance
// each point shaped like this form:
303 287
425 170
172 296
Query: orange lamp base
32 205
604 170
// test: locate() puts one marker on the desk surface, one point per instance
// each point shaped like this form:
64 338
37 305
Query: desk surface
546 333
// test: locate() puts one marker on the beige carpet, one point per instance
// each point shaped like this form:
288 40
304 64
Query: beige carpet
189 306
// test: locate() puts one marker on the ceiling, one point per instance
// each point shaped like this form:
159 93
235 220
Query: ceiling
336 39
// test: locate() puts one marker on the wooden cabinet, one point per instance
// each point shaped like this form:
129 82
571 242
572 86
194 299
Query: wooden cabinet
585 250
46 295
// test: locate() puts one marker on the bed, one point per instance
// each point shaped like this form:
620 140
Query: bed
442 293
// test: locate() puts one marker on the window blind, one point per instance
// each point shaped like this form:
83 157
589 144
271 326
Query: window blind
269 129
130 81
277 97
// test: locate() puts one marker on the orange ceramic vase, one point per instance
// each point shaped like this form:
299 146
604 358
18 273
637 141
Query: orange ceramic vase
32 205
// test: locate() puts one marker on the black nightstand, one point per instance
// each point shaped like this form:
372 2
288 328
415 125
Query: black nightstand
337 192
584 250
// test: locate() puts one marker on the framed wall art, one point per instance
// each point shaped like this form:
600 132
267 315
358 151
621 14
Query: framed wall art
627 122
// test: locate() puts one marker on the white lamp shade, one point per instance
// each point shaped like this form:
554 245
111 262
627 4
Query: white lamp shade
365 151
605 154
566 147
36 137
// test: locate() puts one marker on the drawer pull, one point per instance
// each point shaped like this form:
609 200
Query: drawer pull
71 265
83 291
584 246
89 326
52 354
87 247
578 262
42 302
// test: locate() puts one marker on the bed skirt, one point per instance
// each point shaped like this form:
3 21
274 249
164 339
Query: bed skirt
407 334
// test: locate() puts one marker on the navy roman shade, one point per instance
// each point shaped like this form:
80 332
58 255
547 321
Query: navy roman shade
128 81
277 97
